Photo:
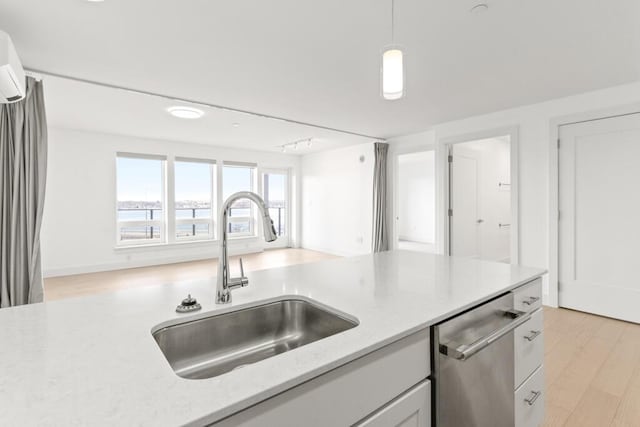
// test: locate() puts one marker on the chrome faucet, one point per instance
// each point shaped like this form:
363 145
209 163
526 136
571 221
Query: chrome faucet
226 284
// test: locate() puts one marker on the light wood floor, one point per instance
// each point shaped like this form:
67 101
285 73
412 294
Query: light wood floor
592 367
592 363
89 284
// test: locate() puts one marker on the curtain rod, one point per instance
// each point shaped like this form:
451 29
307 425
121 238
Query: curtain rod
37 74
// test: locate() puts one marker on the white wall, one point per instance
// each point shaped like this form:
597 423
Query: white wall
416 197
337 200
405 145
79 226
534 124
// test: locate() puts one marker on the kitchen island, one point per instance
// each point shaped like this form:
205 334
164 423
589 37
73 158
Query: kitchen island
93 360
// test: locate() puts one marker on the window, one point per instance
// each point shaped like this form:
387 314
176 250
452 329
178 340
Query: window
164 200
239 177
194 196
140 199
274 189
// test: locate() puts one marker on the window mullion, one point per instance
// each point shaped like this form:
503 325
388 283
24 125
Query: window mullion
219 195
170 211
213 171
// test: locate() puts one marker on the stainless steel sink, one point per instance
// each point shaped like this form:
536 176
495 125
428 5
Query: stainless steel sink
208 347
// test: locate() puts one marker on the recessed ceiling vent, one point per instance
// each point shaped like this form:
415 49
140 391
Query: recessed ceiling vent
12 77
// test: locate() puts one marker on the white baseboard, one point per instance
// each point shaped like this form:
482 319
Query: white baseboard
331 251
123 265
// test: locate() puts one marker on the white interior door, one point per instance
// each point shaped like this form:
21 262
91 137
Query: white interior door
463 220
599 230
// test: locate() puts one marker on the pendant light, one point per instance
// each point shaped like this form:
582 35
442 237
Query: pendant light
392 72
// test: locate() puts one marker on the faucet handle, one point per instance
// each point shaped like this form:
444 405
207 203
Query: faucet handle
238 282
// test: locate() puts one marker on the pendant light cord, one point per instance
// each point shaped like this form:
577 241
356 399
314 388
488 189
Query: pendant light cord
393 10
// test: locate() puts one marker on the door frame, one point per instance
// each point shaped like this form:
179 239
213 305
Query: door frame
554 182
395 170
445 147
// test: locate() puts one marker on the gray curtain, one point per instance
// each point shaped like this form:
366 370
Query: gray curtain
380 219
23 168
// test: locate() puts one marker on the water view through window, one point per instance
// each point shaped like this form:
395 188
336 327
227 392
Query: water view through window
140 190
194 199
275 192
141 216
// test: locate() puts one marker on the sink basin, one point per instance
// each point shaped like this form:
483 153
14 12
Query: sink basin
208 347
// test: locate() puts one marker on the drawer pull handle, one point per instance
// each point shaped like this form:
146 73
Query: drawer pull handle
531 300
534 396
532 336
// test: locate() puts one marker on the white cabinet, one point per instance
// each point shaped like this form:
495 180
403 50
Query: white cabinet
411 409
528 353
351 392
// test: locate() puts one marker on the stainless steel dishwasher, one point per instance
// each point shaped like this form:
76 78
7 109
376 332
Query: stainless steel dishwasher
474 365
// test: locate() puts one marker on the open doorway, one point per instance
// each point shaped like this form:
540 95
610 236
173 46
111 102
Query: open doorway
416 201
481 200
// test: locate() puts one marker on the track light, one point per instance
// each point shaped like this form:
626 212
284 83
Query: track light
296 144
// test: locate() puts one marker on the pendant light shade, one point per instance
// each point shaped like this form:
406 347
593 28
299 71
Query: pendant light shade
392 70
392 73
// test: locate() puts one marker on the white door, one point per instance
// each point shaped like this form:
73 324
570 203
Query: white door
463 219
599 230
275 191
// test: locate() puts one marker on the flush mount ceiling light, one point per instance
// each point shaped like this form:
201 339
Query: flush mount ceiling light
235 125
392 70
185 112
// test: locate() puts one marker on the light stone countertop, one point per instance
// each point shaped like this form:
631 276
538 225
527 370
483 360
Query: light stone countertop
93 361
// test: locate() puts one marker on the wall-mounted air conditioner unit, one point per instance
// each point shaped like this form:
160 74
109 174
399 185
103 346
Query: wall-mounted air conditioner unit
12 78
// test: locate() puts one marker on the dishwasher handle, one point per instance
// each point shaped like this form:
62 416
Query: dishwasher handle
465 351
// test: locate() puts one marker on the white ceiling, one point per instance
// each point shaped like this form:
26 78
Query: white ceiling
318 61
76 105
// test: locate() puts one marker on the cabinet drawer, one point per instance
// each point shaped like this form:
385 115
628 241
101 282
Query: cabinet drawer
528 347
529 401
528 297
411 409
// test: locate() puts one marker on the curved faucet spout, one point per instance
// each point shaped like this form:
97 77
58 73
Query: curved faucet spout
224 283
